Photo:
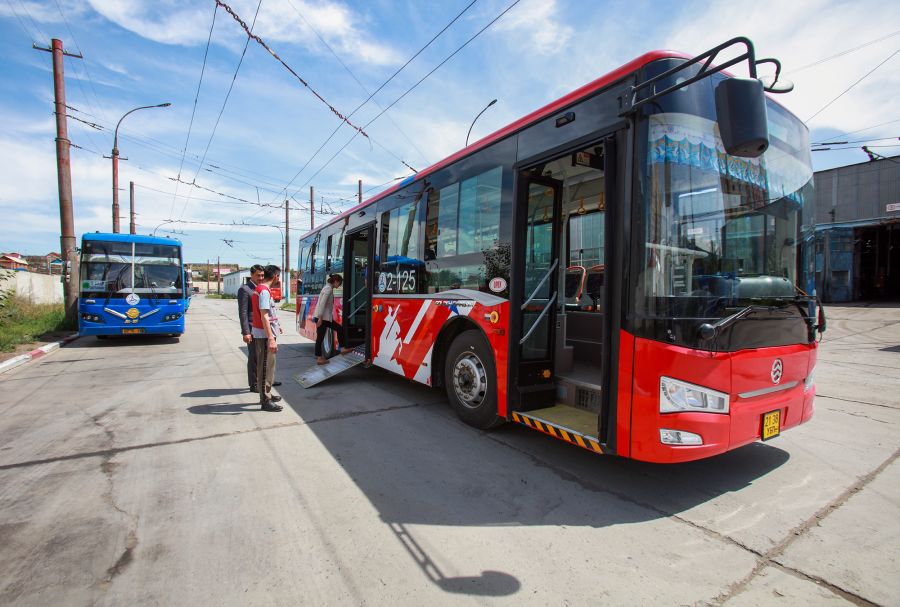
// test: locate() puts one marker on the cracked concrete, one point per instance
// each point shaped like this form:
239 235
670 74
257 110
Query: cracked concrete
168 486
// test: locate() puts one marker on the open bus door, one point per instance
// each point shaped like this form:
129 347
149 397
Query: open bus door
536 297
359 252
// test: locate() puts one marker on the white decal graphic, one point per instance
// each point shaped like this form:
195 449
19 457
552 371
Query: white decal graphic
389 343
418 320
497 285
133 299
382 282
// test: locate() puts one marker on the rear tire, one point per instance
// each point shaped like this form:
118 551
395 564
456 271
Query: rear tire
328 344
470 379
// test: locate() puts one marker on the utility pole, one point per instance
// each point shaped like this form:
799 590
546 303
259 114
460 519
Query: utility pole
67 241
312 204
208 272
359 193
287 250
218 274
132 229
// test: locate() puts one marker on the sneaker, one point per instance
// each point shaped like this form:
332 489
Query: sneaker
276 383
270 406
275 398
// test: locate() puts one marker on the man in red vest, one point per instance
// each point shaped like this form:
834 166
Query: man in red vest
263 330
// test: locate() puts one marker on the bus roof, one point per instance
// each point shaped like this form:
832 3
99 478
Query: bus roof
539 114
139 238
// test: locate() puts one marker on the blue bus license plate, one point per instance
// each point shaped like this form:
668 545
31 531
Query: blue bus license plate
132 331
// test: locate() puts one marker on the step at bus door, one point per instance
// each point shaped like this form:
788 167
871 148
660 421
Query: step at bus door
536 297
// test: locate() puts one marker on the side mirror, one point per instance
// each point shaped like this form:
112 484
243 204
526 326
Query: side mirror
741 112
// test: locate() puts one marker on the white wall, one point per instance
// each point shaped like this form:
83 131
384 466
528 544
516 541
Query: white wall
37 288
232 282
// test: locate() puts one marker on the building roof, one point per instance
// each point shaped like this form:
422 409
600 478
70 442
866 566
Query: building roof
108 237
14 257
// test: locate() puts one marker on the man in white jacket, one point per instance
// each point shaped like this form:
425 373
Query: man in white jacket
324 317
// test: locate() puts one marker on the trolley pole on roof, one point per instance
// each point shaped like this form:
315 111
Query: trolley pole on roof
67 243
131 226
312 204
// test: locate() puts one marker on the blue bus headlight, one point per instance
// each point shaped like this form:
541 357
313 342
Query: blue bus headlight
675 396
171 317
91 318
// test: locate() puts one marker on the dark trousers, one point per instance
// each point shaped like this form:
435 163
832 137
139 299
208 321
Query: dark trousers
265 369
251 364
320 334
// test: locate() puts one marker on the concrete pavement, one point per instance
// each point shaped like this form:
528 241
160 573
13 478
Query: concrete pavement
141 472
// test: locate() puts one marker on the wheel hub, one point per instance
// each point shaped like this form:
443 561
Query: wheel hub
470 380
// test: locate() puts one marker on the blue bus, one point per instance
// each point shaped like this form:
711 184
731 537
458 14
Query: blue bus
131 285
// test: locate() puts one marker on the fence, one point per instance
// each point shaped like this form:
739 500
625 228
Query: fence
36 288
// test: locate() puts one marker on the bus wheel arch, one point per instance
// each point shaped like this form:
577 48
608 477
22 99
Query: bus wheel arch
469 375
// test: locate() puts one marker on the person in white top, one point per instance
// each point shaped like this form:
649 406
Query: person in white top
324 317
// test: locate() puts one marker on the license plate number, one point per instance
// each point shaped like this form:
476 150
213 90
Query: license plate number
771 424
132 331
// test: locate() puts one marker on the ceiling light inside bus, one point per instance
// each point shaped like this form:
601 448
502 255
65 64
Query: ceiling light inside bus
679 437
676 396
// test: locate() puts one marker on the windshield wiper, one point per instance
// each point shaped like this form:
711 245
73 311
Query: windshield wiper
709 332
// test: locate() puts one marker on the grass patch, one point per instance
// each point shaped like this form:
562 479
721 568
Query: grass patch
220 296
22 322
289 307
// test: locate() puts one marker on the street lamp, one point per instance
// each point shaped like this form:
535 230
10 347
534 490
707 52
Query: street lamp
115 165
476 118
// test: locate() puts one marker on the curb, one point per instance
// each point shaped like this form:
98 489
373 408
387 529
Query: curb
20 360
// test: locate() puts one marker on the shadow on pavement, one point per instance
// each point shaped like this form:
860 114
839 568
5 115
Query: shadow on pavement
115 341
224 408
419 465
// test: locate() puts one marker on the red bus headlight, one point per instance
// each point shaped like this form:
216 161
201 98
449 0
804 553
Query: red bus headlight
676 396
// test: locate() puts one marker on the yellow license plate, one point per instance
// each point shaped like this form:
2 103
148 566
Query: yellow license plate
132 331
771 424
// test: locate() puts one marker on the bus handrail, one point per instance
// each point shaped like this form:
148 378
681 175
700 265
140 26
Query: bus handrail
550 302
541 284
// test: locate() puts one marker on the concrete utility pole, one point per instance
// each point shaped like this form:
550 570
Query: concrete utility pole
208 272
67 243
287 251
131 190
312 204
218 274
359 192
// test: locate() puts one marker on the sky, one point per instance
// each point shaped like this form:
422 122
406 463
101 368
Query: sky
248 150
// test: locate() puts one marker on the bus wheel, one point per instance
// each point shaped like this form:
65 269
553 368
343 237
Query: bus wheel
328 344
471 381
103 337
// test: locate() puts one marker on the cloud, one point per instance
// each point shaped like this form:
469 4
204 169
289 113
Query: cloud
284 21
536 26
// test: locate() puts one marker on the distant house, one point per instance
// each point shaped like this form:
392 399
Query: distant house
232 281
13 261
51 263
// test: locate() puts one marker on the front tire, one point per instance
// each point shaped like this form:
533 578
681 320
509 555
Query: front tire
470 379
328 344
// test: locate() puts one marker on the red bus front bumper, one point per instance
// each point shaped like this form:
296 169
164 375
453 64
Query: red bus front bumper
746 376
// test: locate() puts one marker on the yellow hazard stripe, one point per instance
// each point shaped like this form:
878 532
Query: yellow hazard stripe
555 431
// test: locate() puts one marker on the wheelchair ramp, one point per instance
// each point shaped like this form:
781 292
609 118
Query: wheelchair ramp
336 365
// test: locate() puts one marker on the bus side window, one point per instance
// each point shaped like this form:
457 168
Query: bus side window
400 258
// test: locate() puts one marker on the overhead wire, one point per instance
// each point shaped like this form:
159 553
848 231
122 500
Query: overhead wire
375 92
196 98
411 89
353 75
222 109
849 88
842 53
262 43
868 128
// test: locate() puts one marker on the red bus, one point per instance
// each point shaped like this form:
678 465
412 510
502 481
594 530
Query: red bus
629 269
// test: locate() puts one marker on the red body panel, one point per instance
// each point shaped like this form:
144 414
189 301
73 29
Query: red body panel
306 306
734 373
404 331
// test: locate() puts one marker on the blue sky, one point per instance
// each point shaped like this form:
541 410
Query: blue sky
138 52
